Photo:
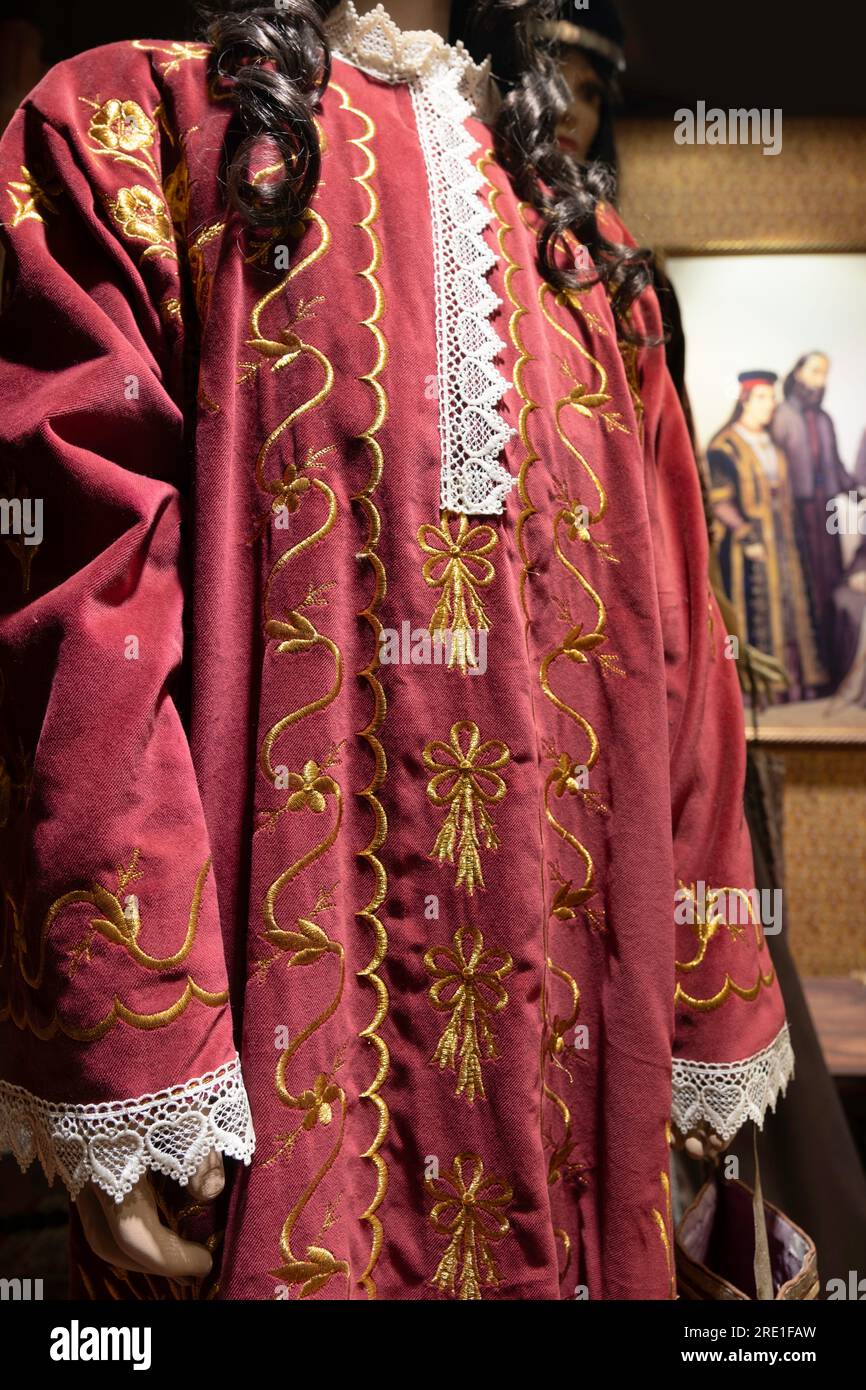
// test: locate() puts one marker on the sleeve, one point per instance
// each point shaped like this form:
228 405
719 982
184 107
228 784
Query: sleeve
731 1053
725 493
117 1052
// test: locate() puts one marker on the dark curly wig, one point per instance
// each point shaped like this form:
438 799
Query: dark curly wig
277 62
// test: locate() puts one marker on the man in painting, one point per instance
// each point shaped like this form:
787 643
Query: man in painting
804 432
760 562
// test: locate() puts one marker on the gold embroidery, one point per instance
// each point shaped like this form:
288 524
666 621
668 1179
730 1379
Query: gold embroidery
119 927
201 278
175 53
472 1215
458 566
308 945
171 309
707 917
468 984
177 190
663 1225
368 915
705 923
28 194
122 131
465 782
318 1266
629 353
310 792
295 633
142 216
576 521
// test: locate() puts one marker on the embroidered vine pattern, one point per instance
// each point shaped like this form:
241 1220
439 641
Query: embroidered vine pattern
573 525
368 916
309 792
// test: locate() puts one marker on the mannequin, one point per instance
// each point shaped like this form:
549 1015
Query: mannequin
130 1234
429 917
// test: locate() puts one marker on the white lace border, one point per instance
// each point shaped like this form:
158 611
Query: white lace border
725 1095
114 1143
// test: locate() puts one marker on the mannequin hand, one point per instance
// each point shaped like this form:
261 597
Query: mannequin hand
130 1235
699 1143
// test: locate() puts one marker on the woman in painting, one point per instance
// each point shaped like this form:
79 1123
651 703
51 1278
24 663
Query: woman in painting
760 562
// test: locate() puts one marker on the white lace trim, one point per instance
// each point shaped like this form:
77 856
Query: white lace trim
113 1144
376 45
446 87
724 1095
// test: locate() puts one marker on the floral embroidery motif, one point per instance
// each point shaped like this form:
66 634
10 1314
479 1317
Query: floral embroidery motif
28 194
122 131
309 789
144 217
458 566
466 781
467 983
471 1212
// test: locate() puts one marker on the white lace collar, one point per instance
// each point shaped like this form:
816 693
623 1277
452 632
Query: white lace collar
376 45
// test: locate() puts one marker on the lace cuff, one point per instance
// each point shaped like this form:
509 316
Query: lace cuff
724 1095
112 1144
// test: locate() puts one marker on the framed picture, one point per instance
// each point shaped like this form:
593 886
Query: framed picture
767 257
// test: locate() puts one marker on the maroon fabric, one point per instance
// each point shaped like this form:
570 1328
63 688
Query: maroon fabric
325 895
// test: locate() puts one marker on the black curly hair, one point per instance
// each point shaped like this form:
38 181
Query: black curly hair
275 61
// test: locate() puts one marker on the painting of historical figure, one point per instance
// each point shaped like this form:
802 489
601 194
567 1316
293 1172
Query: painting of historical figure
783 444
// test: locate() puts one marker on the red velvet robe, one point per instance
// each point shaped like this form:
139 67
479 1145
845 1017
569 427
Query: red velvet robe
432 910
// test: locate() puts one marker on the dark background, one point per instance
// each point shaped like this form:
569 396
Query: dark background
806 57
